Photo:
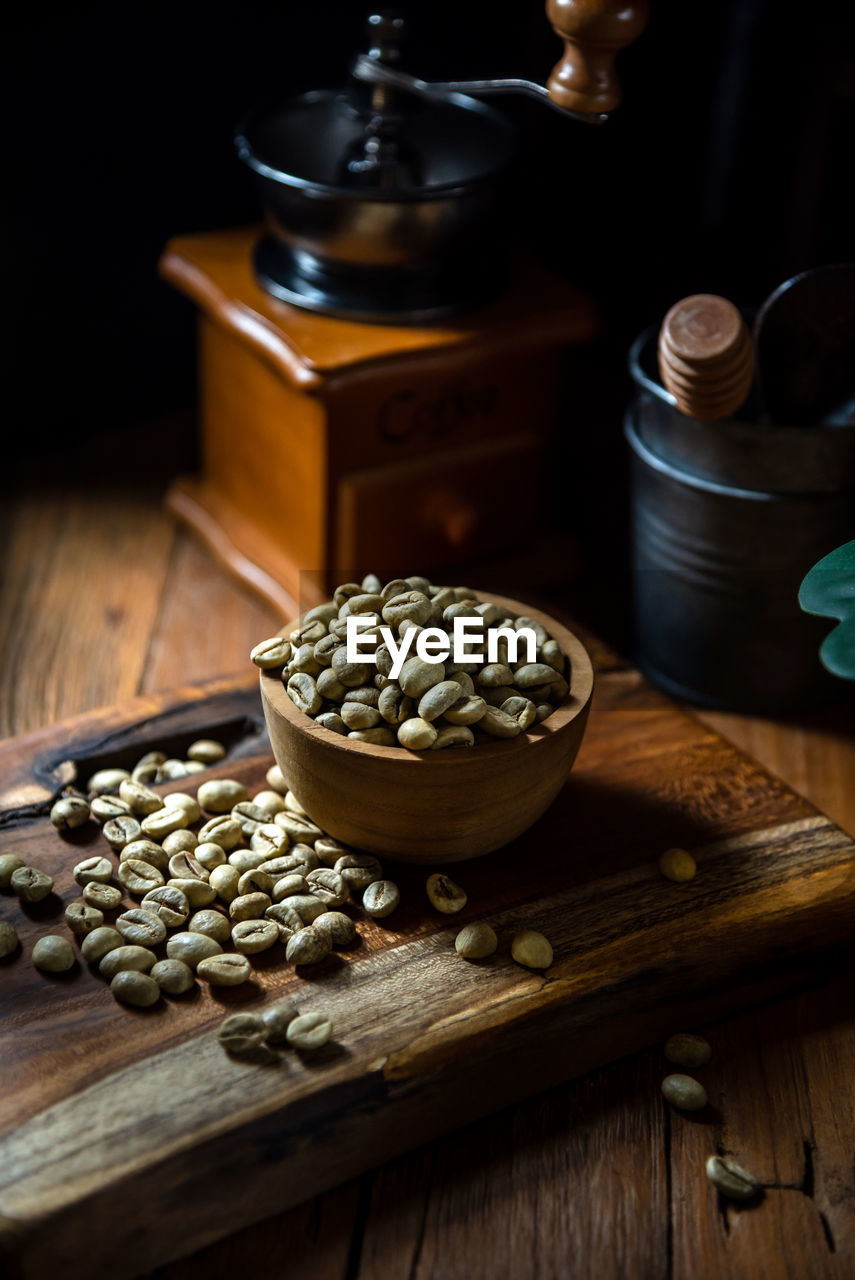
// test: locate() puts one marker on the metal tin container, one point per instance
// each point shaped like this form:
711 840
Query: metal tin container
727 518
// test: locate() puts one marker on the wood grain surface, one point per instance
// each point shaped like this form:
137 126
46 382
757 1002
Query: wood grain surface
593 1178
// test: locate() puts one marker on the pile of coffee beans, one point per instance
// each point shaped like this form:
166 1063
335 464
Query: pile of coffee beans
393 696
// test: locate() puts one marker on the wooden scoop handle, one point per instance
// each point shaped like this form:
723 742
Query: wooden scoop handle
594 32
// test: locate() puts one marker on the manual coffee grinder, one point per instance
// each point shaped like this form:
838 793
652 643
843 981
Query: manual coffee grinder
374 378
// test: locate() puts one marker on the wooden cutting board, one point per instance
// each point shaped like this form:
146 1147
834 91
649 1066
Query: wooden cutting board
128 1137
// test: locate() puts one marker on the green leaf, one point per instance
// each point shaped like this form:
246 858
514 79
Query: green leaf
829 591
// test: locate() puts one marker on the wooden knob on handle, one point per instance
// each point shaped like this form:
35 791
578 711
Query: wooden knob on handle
706 357
594 32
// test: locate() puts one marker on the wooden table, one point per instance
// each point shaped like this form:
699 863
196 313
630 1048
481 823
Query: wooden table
593 1179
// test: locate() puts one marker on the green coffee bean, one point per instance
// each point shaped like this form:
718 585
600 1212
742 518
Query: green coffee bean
454 735
140 927
520 709
164 822
286 919
106 781
498 724
212 923
731 1179
250 817
121 831
532 949
206 750
93 870
221 795
329 850
106 807
192 948
209 855
327 884
286 886
69 812
417 677
199 893
8 939
444 894
252 936
9 863
169 904
183 866
145 851
476 942
138 989
303 692
242 1033
677 865
224 881
338 927
687 1050
417 734
224 831
381 898
181 800
684 1092
270 840
308 1032
359 870
356 715
307 946
270 802
224 970
104 897
271 654
97 943
275 779
466 710
130 956
249 906
138 877
277 1018
380 736
82 919
29 884
299 829
139 798
173 976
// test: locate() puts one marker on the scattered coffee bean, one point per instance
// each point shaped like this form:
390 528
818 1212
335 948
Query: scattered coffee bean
29 884
139 798
206 751
687 1050
69 812
249 906
359 870
220 795
252 936
180 841
270 840
677 865
209 855
121 831
327 884
173 976
160 824
97 943
106 807
476 942
145 851
307 906
9 862
181 800
183 866
129 956
684 1092
224 881
228 970
168 903
242 1033
106 781
93 870
192 948
338 927
309 1031
381 898
256 880
532 949
212 923
105 897
141 927
138 877
307 946
444 894
277 1018
286 919
224 831
271 654
82 919
138 989
731 1179
8 939
275 779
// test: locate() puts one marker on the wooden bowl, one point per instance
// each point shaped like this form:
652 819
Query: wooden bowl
432 806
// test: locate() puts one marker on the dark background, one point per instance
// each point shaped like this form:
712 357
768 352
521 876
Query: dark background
726 170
